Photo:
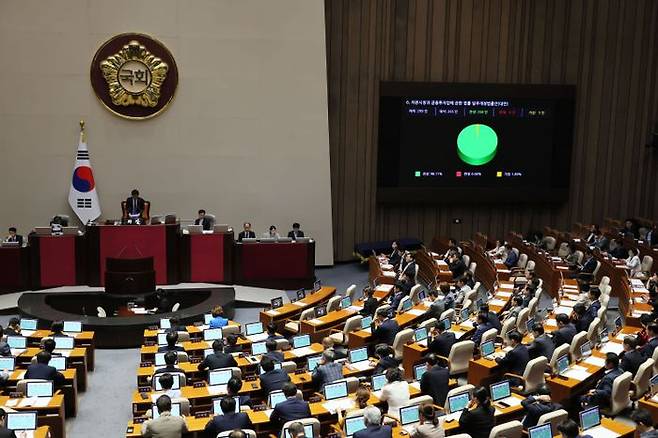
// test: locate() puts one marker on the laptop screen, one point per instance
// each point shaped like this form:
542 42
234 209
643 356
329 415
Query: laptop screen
162 339
345 302
589 418
654 380
366 322
420 334
176 384
254 328
358 355
64 343
500 390
16 342
207 352
487 348
59 362
562 364
409 414
419 370
28 324
212 334
465 313
308 431
603 335
586 349
618 322
541 431
165 323
219 377
275 398
320 311
217 408
39 389
7 363
72 326
378 382
422 295
446 323
313 362
301 341
21 420
159 359
207 318
277 366
258 348
335 390
458 402
354 424
175 411
406 305
529 324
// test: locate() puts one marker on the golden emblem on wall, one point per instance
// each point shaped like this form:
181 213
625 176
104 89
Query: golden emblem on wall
134 76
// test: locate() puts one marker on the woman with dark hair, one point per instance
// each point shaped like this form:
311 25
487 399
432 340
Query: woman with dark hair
395 392
362 397
477 419
429 426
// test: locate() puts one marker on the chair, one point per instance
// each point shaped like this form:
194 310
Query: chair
21 385
351 292
248 432
383 307
460 355
230 330
282 344
579 256
413 294
555 418
183 336
293 326
101 312
549 243
533 375
511 429
471 296
520 265
645 267
184 405
593 331
352 383
314 422
401 338
602 314
145 213
428 324
460 435
182 380
641 380
620 398
576 343
289 366
448 314
212 218
522 320
508 326
563 250
558 353
333 303
489 335
532 307
341 337
458 390
466 259
472 267
605 290
416 274
175 307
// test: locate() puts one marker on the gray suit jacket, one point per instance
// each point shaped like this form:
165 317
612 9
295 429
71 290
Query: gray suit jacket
166 426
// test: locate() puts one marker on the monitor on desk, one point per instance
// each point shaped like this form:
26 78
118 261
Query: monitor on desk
39 389
366 322
420 334
162 339
301 294
274 398
530 324
207 352
422 295
58 362
276 302
64 342
313 362
21 420
17 342
378 381
159 359
419 370
195 229
500 390
253 328
28 324
158 386
317 284
458 402
212 334
406 305
7 363
589 418
249 240
358 355
446 323
654 380
487 348
465 314
562 364
335 390
220 376
345 302
258 348
354 424
277 366
541 431
221 228
165 323
303 239
301 341
603 336
175 411
618 323
217 408
320 311
409 415
73 326
586 349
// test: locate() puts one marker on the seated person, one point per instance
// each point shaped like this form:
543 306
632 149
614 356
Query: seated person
171 359
537 405
272 353
470 281
477 419
630 229
456 265
461 290
57 329
565 332
296 231
49 345
482 325
229 419
246 232
233 388
362 400
571 258
642 336
516 359
372 418
644 423
41 370
272 233
175 325
440 341
218 320
512 257
296 430
291 409
395 392
569 429
205 222
172 340
232 344
328 344
434 381
13 237
370 303
633 262
5 350
591 234
619 251
327 370
385 359
493 318
593 308
272 379
166 381
499 252
396 296
517 306
166 425
647 349
441 302
218 359
542 344
384 329
585 272
600 395
409 266
271 332
631 358
580 318
134 206
453 248
430 426
14 327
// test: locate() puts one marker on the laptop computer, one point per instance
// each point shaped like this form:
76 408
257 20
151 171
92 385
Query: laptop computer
64 343
175 411
165 323
589 418
221 228
586 350
487 349
419 370
207 318
336 390
7 363
28 324
159 359
301 341
58 362
39 389
465 314
603 336
195 229
378 381
303 239
409 415
276 302
220 376
358 358
249 240
345 302
320 311
313 362
258 348
17 342
9 244
446 323
207 352
530 324
562 364
21 420
72 326
217 408
162 339
501 392
301 294
366 322
406 305
212 333
458 402
353 425
420 334
274 398
268 239
541 431
618 323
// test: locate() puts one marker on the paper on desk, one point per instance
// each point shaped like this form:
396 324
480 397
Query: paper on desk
612 347
12 402
416 312
638 300
621 336
458 334
441 263
384 287
638 313
496 302
355 308
551 321
217 389
451 417
562 309
596 361
503 271
415 385
300 352
506 286
65 353
468 323
576 373
601 432
27 333
504 294
257 338
564 268
567 303
361 366
367 330
272 312
268 412
299 303
343 404
389 274
17 351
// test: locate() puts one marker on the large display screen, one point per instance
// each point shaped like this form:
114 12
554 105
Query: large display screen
474 142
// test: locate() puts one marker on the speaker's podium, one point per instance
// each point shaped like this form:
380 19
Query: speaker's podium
129 276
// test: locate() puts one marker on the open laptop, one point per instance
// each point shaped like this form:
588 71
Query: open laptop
22 421
618 323
207 318
458 402
303 239
221 228
301 345
274 398
501 394
406 305
72 327
58 362
377 382
366 322
353 425
333 391
7 363
276 302
530 324
319 311
258 348
28 324
541 431
175 411
212 334
18 344
420 336
313 362
345 302
409 417
9 244
317 284
207 352
446 323
64 343
195 229
165 323
39 389
465 314
219 377
586 350
255 332
359 359
590 419
162 339
419 370
217 408
487 349
562 364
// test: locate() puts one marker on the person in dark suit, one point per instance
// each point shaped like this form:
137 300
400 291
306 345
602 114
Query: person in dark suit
440 341
49 346
172 340
339 352
409 267
370 303
569 429
41 370
246 232
175 326
384 329
229 420
434 381
652 236
397 296
537 405
483 325
218 359
271 379
295 232
57 329
134 204
205 222
290 409
516 359
385 359
619 251
456 264
477 419
648 348
565 332
395 256
4 432
372 417
5 350
327 370
232 344
542 344
580 318
492 317
233 388
13 327
272 353
170 358
271 332
593 308
13 237
585 272
631 358
600 396
512 257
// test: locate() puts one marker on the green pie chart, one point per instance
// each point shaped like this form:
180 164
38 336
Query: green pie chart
477 144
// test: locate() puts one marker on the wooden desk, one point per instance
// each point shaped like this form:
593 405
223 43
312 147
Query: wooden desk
194 331
70 388
51 415
292 310
85 339
77 359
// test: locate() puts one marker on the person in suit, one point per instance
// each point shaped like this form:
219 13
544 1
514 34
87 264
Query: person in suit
237 434
565 332
57 329
492 317
271 379
593 308
644 423
172 340
271 332
384 328
591 235
442 302
295 232
134 205
296 430
581 318
218 320
434 381
5 350
600 395
440 341
410 266
537 405
630 229
232 344
170 358
571 258
218 359
175 325
619 251
49 346
205 222
601 242
166 425
340 352
246 232
631 358
586 271
385 359
516 359
477 419
327 370
633 262
542 344
4 432
652 343
461 290
372 417
569 429
395 257
512 257
370 303
272 353
456 264
483 324
13 237
14 327
272 233
652 236
396 296
41 370
517 306
292 408
429 426
166 382
229 419
233 387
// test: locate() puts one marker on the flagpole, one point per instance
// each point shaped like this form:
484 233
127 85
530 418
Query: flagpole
82 131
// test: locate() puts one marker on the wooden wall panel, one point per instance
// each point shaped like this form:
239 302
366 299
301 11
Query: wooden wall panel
607 48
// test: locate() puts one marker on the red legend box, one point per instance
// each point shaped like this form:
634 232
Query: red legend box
458 174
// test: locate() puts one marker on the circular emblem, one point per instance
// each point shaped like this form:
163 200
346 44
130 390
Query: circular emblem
477 144
83 179
134 76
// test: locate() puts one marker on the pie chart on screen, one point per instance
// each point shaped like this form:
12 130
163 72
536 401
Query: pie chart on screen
477 144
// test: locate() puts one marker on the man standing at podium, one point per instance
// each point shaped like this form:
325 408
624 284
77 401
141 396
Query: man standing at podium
134 205
246 233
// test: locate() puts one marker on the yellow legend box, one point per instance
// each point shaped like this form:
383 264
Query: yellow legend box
499 174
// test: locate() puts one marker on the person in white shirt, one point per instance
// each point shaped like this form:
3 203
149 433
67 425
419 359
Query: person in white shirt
273 233
633 262
462 290
499 252
395 392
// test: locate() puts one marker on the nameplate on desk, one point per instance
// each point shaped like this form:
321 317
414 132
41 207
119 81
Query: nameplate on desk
299 303
251 378
145 364
258 408
197 324
198 384
196 340
153 327
196 360
149 344
144 389
202 414
139 420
